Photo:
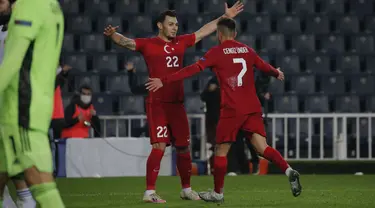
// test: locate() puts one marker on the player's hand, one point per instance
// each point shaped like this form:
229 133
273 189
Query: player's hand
109 30
212 87
281 75
267 96
234 10
154 84
66 68
93 112
129 66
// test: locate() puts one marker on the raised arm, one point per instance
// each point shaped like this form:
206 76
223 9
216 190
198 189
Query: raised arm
118 38
211 27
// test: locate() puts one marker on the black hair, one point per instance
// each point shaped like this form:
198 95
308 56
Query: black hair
227 24
85 86
12 1
163 15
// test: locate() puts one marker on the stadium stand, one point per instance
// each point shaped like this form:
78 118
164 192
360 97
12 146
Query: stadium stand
325 48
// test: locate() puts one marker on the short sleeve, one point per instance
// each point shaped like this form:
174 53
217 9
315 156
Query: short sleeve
208 60
25 22
188 39
140 44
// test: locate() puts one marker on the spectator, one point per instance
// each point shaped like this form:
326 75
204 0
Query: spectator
211 97
262 83
58 119
137 89
80 116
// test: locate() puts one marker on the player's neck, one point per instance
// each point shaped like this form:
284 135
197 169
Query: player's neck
224 39
164 38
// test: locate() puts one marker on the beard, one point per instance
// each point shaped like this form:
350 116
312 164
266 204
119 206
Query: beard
4 19
170 37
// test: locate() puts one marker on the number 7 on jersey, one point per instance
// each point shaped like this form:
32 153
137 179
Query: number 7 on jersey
243 70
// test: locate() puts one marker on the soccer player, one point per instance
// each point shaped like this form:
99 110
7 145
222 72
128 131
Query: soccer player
27 76
240 107
24 197
165 110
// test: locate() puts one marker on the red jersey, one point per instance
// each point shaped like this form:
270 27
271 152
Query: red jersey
165 58
233 64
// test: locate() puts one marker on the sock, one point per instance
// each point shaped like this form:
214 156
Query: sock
153 166
47 195
149 192
27 199
274 156
184 168
220 166
186 190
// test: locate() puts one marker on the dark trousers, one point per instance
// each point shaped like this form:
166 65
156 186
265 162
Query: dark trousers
211 138
237 159
57 126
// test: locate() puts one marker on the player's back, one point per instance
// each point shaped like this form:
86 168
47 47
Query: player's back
28 99
234 68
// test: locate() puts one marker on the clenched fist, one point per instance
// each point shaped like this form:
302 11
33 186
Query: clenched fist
110 30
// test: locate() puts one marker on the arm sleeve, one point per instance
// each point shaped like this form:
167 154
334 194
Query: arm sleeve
188 39
95 122
14 54
69 112
25 22
140 44
133 84
207 60
22 29
262 65
182 74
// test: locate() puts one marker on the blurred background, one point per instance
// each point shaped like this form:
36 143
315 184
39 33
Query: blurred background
323 111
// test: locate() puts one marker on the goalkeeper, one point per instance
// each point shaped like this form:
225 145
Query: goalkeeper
27 77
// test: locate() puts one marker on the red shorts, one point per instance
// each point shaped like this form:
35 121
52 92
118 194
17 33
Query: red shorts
168 123
228 128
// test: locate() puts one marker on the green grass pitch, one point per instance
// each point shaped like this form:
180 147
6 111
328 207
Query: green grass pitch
342 191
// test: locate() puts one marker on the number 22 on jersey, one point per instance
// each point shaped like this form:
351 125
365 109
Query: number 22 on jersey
162 132
243 70
172 61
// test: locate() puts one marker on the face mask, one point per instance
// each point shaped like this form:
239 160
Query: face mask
86 99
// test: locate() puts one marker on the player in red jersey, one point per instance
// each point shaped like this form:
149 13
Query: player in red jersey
165 111
240 107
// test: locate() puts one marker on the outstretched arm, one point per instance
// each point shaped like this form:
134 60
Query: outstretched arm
211 27
266 67
155 83
208 60
118 38
183 73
